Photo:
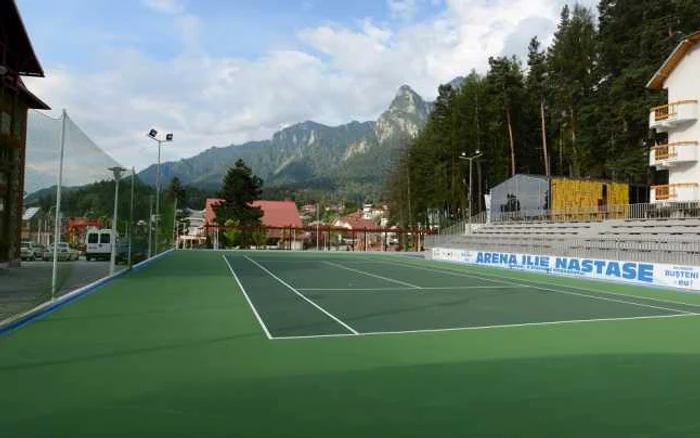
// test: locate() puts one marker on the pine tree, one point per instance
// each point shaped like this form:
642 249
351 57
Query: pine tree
537 88
240 188
572 59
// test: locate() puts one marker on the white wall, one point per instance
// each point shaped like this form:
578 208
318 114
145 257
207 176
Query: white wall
684 84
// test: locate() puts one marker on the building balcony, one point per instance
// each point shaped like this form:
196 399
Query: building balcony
665 117
666 155
682 192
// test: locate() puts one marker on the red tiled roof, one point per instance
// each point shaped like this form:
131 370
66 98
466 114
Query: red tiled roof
275 213
356 222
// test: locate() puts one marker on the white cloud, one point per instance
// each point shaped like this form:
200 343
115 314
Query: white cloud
165 6
334 74
404 9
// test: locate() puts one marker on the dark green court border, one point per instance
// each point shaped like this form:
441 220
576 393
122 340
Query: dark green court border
45 309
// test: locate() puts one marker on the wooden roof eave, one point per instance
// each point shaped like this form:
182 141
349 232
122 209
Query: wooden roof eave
658 81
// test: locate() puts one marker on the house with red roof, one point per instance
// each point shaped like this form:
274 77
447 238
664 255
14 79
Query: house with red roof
356 221
279 216
363 233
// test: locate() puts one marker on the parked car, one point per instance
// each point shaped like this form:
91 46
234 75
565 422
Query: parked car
38 249
26 251
31 251
65 253
138 253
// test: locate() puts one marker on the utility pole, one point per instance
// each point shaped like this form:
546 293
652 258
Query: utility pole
117 171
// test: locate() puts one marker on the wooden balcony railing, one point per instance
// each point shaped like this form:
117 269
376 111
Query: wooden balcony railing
670 111
669 191
670 150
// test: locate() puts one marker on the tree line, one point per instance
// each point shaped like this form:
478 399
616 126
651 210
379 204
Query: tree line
578 108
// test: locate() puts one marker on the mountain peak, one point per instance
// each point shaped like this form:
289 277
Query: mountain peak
407 100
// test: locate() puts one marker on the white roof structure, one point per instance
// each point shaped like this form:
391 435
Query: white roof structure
30 212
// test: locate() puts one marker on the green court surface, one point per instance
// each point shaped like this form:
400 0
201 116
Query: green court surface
263 344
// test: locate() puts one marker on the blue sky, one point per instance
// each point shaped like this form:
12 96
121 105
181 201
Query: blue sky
218 72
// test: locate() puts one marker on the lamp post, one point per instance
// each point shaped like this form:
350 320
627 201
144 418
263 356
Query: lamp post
153 135
117 171
471 159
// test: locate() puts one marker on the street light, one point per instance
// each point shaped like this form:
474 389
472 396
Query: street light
463 156
117 171
153 135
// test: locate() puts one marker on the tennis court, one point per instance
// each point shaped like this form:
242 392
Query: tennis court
345 345
335 295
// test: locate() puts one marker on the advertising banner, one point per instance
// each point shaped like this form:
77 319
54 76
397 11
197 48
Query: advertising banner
657 274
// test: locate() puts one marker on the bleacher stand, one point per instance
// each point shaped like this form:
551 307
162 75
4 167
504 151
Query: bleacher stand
669 240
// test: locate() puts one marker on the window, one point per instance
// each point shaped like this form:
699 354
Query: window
92 238
104 238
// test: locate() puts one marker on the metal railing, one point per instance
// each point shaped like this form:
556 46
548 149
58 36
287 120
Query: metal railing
659 210
640 249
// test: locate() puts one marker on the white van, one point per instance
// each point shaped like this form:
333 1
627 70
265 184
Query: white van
98 244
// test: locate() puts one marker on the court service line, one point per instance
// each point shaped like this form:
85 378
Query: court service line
493 278
302 296
530 286
250 303
413 286
490 327
380 289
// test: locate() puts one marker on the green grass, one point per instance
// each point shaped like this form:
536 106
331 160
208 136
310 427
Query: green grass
174 350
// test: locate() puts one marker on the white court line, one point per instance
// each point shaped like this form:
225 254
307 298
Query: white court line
490 327
413 286
613 300
496 279
327 313
380 289
250 303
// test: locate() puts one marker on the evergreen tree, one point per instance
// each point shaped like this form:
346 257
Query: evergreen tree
536 85
240 188
176 191
572 60
505 88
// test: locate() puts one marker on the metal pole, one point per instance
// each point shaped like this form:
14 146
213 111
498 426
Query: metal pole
113 255
318 224
131 215
150 224
470 196
155 243
57 230
175 223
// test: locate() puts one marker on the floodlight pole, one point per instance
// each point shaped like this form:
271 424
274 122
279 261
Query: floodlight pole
153 136
131 215
155 243
463 156
117 171
150 220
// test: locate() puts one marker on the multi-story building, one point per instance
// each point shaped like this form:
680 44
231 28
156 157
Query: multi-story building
17 59
676 124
